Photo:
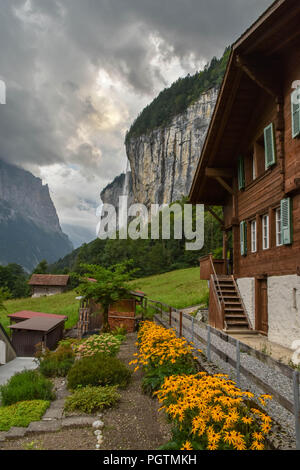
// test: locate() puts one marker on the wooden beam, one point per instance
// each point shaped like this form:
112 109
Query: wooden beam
262 72
212 212
225 185
222 172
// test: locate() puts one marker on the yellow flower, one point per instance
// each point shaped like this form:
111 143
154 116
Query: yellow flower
257 446
187 446
246 420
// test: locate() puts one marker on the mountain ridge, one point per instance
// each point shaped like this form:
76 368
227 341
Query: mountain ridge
30 227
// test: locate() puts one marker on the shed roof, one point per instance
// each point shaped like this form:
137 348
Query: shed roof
27 314
37 324
49 280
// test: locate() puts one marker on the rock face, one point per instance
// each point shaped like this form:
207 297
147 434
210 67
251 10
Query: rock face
111 193
163 162
30 228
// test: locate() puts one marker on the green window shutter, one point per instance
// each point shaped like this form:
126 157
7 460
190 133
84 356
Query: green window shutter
295 98
243 238
241 173
270 152
286 221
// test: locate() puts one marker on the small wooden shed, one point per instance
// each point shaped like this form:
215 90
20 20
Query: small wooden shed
27 334
48 284
28 314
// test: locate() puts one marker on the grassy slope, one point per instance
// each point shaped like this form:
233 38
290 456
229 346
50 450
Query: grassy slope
179 289
61 304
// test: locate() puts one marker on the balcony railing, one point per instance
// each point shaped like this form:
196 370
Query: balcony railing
209 266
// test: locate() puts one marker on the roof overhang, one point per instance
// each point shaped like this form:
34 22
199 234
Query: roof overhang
250 71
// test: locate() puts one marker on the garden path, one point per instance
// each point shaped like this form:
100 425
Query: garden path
135 424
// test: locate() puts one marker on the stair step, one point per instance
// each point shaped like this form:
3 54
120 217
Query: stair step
234 309
241 331
237 322
227 288
235 315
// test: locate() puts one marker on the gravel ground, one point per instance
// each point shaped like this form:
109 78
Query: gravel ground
284 426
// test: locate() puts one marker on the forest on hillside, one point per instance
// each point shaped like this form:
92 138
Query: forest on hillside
148 256
178 97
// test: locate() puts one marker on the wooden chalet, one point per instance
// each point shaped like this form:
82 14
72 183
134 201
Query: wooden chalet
48 284
250 165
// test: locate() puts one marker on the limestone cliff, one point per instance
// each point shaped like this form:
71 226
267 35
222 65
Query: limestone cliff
163 161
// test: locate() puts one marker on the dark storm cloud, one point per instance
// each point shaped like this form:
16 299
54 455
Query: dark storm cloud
50 46
51 55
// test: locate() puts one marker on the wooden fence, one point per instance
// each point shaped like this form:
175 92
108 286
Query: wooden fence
186 325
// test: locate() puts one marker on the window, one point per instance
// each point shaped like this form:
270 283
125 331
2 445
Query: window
243 238
270 152
295 113
241 173
259 156
278 227
265 232
253 237
286 221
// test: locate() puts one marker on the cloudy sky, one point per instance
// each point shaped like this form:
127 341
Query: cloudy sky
79 71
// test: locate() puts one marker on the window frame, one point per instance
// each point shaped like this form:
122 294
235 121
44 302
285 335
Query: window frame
253 223
279 241
265 237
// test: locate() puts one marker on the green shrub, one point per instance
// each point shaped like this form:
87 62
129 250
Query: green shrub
154 377
53 368
92 399
98 370
120 332
22 414
25 386
56 363
106 343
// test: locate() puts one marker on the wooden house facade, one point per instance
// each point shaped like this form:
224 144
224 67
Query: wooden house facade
250 165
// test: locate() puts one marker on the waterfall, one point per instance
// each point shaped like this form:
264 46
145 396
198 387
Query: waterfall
125 191
124 198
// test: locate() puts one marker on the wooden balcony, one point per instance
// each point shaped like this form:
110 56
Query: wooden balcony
207 263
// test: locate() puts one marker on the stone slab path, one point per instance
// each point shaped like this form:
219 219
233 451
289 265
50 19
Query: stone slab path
16 365
134 424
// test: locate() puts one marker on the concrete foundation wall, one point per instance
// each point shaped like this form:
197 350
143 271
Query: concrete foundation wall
284 309
247 291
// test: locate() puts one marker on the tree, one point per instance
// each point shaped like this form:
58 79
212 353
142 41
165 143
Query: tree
112 284
2 299
42 268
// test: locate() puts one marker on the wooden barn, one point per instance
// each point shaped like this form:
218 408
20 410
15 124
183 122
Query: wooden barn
250 165
48 284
